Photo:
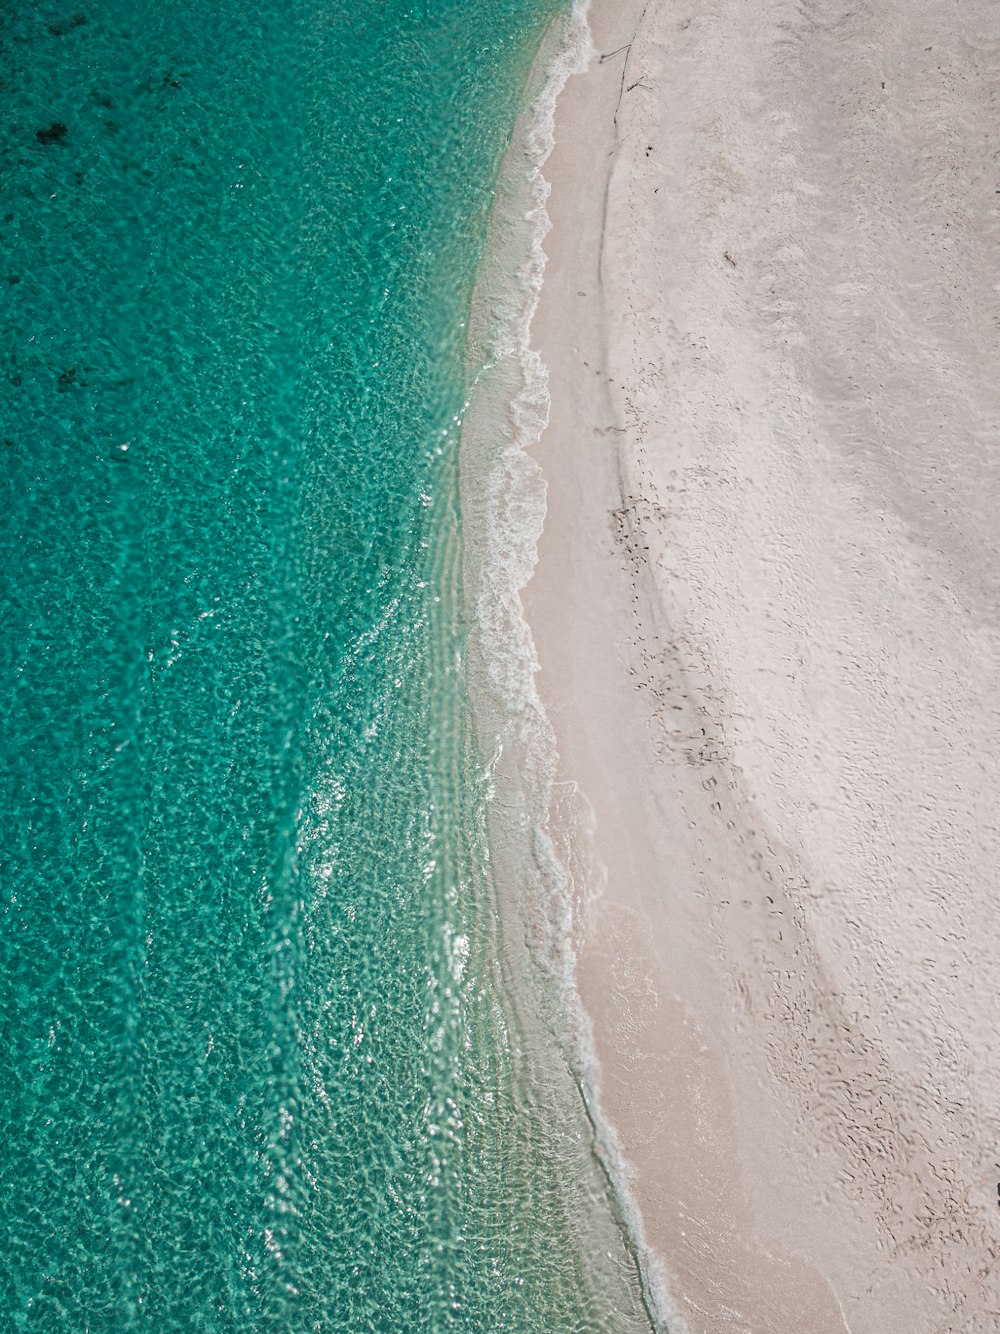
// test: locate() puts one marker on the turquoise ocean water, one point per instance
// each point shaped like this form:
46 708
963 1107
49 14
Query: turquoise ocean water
259 1070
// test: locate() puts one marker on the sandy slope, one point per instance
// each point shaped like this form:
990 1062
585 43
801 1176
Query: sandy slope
767 611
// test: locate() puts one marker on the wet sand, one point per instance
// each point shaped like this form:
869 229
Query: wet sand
766 614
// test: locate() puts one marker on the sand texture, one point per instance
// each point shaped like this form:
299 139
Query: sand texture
766 612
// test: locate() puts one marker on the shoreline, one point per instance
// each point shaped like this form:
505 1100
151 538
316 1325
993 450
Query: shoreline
780 869
532 819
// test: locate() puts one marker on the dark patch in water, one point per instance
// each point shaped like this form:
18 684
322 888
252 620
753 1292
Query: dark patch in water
52 134
169 79
67 25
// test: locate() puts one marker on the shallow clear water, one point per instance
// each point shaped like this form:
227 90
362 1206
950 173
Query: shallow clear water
258 1067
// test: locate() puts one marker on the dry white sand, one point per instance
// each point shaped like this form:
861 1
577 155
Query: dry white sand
767 610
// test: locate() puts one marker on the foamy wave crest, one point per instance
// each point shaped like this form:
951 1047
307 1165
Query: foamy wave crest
514 502
510 488
504 504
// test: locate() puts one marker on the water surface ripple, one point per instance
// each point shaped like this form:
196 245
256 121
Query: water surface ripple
258 1072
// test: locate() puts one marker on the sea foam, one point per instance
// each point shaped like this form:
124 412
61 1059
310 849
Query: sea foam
538 828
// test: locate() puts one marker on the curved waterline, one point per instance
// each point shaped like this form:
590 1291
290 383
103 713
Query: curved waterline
540 835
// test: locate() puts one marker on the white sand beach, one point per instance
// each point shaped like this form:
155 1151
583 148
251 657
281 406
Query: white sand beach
767 613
